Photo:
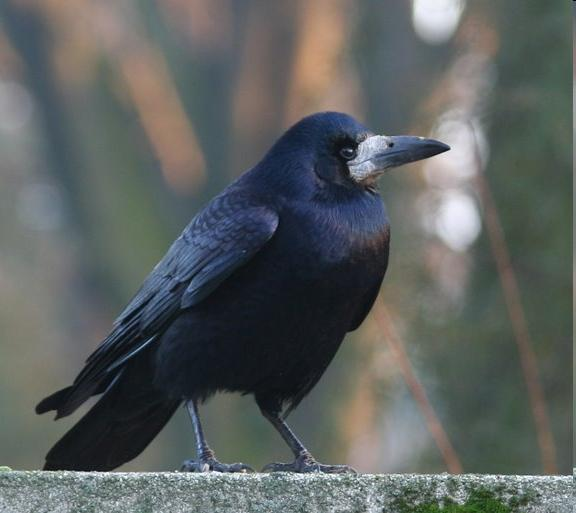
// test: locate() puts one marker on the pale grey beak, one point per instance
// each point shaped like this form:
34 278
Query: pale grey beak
381 152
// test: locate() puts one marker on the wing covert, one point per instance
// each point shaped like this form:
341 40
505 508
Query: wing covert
220 239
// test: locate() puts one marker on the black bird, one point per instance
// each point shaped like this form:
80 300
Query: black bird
255 297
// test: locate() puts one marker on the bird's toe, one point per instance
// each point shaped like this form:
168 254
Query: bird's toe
213 465
306 463
232 467
337 469
195 466
280 467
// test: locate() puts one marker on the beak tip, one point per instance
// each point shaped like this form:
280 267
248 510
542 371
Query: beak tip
441 147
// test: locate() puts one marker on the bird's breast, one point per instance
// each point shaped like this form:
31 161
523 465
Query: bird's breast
338 234
331 255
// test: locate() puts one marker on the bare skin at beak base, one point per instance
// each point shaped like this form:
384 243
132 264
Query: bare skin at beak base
381 152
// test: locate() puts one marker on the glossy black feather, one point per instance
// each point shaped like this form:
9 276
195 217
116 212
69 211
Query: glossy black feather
123 422
255 296
219 240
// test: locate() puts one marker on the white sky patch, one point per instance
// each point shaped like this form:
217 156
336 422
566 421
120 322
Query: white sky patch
457 220
436 21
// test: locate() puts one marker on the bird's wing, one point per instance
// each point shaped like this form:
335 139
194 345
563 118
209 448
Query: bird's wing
223 237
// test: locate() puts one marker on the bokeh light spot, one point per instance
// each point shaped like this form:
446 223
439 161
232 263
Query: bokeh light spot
436 21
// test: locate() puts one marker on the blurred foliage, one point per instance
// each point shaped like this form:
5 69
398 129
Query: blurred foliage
119 120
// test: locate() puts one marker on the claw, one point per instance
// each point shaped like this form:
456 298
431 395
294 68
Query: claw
213 465
237 467
307 463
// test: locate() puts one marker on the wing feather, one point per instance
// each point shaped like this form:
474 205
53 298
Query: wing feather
223 237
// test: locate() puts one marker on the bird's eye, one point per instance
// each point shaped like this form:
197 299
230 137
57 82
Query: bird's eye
348 153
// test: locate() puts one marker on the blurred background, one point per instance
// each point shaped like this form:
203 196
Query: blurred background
120 119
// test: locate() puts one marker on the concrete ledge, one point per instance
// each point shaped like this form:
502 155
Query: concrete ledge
92 492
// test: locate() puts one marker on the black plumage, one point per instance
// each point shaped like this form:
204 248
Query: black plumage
255 296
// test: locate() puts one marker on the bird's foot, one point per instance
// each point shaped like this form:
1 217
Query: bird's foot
306 463
213 465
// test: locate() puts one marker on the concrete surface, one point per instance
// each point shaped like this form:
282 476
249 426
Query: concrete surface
173 492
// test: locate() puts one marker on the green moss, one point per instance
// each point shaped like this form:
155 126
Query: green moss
479 501
519 501
4 468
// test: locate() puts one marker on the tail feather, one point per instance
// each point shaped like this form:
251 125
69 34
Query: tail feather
117 428
103 440
60 400
52 402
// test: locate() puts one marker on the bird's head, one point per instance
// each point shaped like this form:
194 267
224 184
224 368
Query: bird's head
339 150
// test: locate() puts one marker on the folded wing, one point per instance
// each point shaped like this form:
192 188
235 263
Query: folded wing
219 240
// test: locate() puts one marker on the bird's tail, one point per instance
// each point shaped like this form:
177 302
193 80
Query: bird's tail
117 428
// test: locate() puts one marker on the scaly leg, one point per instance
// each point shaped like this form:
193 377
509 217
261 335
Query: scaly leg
304 461
205 460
